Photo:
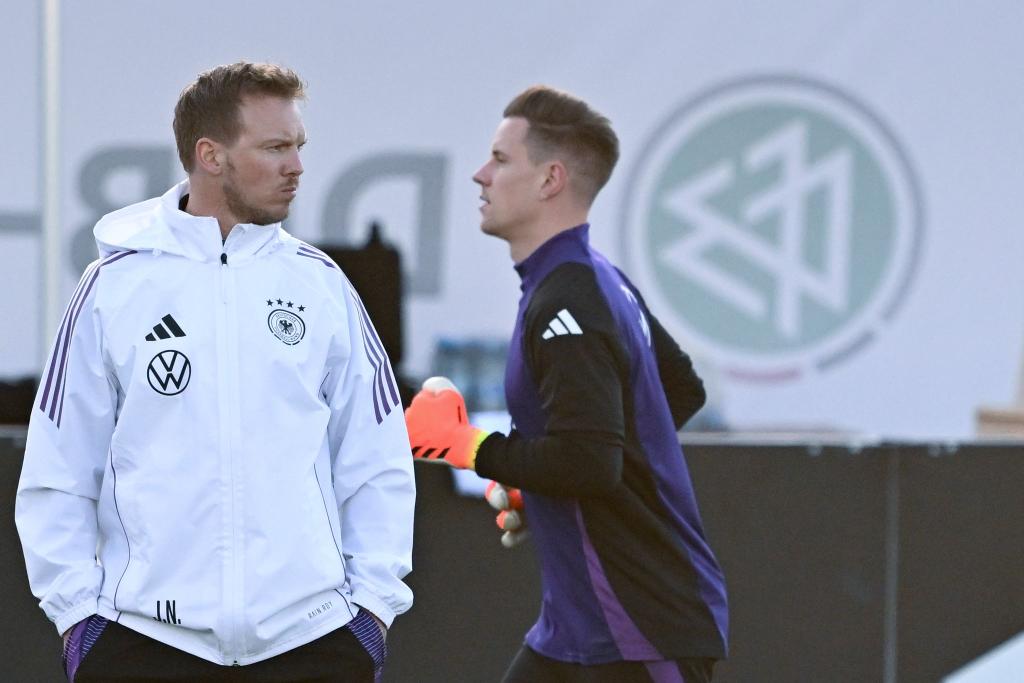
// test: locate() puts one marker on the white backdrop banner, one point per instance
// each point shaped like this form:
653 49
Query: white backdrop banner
818 200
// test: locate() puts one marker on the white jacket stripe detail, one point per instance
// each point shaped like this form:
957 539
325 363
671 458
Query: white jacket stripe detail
375 382
67 329
56 504
387 380
316 256
381 368
59 350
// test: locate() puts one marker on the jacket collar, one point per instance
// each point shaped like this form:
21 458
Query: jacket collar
199 236
572 244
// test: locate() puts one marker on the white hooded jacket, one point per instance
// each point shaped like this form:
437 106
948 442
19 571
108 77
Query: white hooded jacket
219 427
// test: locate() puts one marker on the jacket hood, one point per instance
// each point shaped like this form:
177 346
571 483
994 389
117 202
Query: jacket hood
159 226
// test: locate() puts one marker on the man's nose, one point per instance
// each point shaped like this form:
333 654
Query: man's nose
294 166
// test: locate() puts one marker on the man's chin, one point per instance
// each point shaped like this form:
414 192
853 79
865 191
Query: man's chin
490 229
268 218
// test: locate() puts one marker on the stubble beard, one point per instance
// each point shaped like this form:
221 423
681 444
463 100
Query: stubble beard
243 210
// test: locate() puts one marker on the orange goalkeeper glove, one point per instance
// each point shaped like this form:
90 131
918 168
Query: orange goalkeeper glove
511 519
438 428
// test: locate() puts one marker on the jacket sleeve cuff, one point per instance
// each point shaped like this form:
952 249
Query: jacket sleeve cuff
377 607
75 615
488 450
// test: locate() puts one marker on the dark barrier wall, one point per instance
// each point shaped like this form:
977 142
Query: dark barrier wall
899 562
961 563
31 646
891 563
801 541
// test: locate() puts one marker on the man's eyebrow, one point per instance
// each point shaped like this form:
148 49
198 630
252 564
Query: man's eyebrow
278 139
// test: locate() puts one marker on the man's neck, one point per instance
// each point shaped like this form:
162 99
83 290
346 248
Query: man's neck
530 239
202 203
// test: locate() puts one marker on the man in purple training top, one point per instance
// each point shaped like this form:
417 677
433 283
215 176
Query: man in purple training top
597 390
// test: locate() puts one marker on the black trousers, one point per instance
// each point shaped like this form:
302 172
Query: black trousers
121 655
530 667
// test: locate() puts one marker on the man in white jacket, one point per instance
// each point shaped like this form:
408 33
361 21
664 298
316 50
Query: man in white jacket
217 471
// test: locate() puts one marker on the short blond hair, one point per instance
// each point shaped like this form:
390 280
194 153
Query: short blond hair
566 126
209 106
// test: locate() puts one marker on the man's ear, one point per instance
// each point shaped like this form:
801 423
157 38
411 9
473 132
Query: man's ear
556 179
210 156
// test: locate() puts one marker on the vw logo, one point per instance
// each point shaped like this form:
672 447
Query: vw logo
169 372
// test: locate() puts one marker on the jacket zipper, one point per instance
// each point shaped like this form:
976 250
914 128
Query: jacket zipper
227 381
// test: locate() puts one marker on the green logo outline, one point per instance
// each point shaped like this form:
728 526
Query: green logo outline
775 224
